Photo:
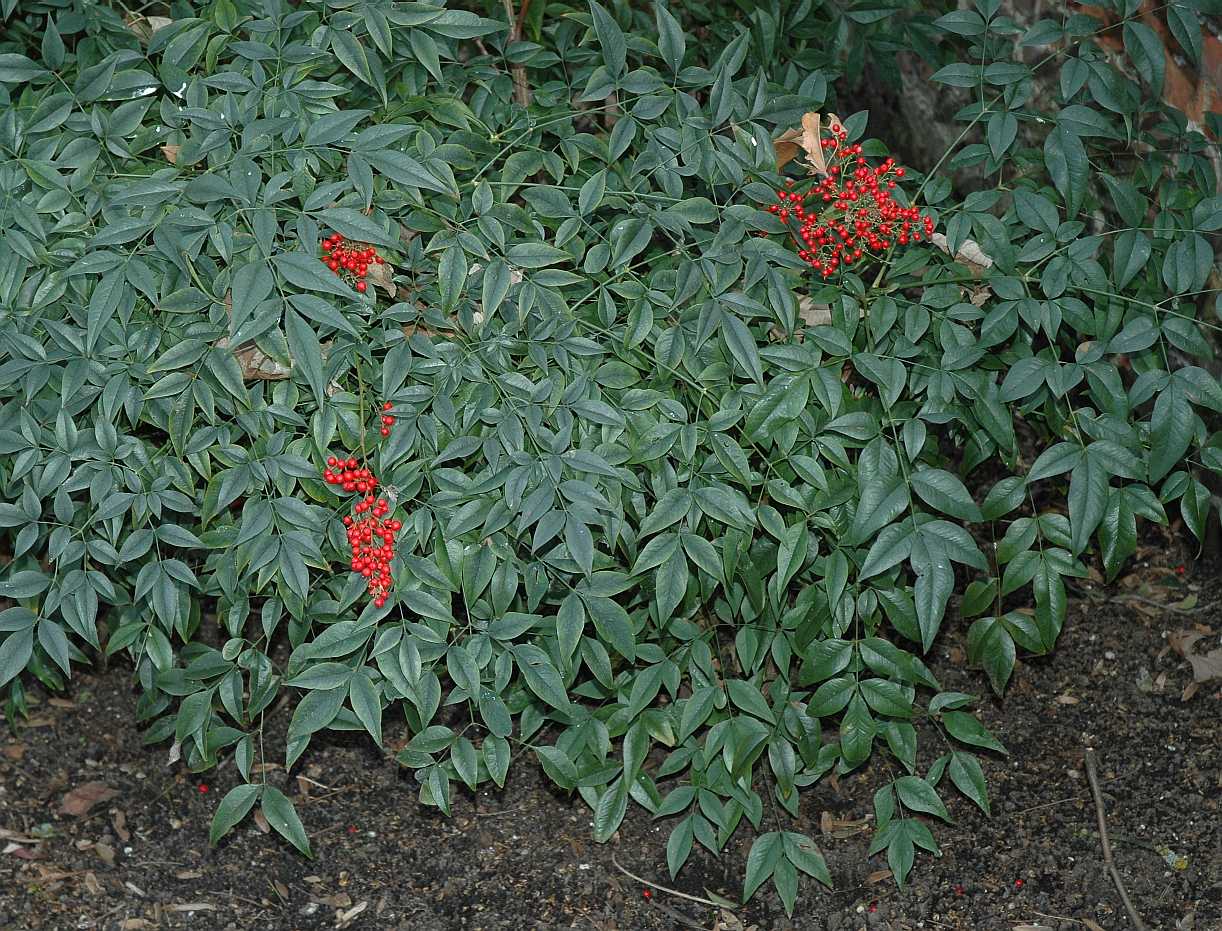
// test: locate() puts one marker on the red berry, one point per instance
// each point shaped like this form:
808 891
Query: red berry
361 286
385 431
388 406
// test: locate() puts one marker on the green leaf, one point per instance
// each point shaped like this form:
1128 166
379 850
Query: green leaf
965 772
609 813
15 653
354 225
919 795
964 727
1171 427
541 676
307 354
536 255
749 698
941 490
1065 157
302 271
452 277
741 343
766 852
856 732
1186 27
613 625
990 645
235 806
366 701
281 815
611 38
671 41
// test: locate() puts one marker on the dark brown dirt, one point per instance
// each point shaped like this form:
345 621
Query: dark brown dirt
523 858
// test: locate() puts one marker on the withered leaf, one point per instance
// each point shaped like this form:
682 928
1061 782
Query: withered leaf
78 802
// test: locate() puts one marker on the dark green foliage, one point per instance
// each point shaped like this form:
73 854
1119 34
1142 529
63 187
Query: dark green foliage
660 536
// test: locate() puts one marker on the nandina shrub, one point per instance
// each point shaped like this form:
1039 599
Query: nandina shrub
672 511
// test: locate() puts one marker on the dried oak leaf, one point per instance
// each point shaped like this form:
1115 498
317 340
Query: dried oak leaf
1205 666
804 140
143 27
78 802
970 254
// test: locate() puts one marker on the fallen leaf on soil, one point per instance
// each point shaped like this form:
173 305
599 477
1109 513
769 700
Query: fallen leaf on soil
261 821
1205 666
84 797
836 827
6 834
188 874
170 150
344 919
134 924
878 876
14 751
106 853
92 886
1066 699
134 889
1092 925
339 900
118 821
61 703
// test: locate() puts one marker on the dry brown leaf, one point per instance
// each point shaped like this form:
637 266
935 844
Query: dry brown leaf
134 924
84 797
61 703
92 885
14 751
1205 666
343 919
188 874
1092 925
170 150
118 820
143 27
261 821
339 900
878 876
787 146
969 254
805 139
105 853
812 145
840 828
381 276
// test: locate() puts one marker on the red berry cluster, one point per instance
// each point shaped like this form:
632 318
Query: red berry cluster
851 212
388 419
371 535
350 261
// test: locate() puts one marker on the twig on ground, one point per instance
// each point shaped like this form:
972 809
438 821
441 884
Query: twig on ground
521 87
674 892
1108 863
